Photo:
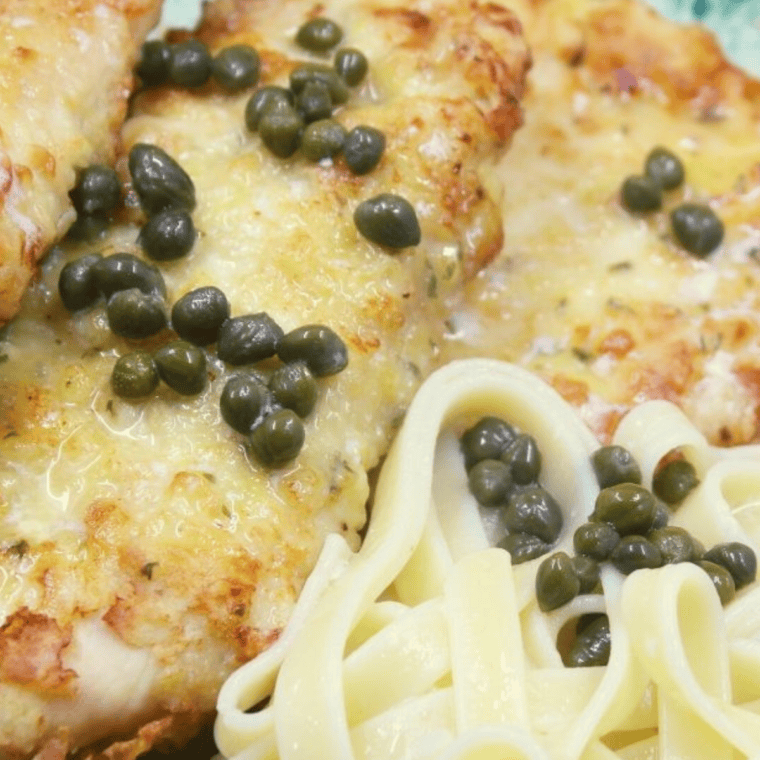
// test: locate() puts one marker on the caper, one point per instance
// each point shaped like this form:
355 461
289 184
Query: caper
134 375
293 386
489 482
199 314
592 645
351 64
87 229
98 190
263 99
159 181
587 571
319 35
739 559
153 66
168 235
322 139
641 194
634 553
595 540
248 339
388 220
321 348
524 459
613 465
244 401
675 480
314 102
628 507
122 271
721 579
534 510
697 227
675 544
556 582
182 366
76 283
314 72
236 67
363 149
665 168
134 314
661 515
278 438
699 549
523 547
488 438
190 64
280 127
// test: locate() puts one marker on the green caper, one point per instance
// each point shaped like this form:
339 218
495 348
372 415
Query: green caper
596 540
278 439
319 35
363 149
314 72
675 544
641 194
248 339
524 459
613 465
263 99
182 366
97 191
488 438
199 314
661 514
739 559
321 348
634 553
587 572
244 401
592 645
314 102
76 283
293 386
153 66
388 220
523 547
722 580
675 480
134 314
190 63
534 510
122 271
556 582
665 168
628 507
489 482
697 227
87 229
351 64
699 549
168 235
322 139
159 181
280 127
236 67
134 375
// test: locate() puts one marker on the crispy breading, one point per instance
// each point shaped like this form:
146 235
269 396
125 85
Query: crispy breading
66 76
146 526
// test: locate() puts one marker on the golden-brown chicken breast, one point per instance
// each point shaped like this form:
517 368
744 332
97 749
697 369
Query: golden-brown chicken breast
66 75
145 552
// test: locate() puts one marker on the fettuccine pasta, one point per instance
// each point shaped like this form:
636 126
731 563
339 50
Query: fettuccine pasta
429 643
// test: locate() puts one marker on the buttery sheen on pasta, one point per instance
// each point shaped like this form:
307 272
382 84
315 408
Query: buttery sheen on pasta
427 643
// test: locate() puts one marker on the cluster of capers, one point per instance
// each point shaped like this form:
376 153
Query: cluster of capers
190 64
503 466
629 528
696 226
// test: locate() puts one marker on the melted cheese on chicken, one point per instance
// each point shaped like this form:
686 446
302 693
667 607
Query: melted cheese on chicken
141 534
